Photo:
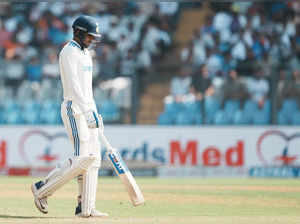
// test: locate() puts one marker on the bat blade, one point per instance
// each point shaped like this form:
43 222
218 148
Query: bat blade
126 177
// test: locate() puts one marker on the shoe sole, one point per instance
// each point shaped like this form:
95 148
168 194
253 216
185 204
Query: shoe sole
91 216
103 215
100 217
85 217
36 200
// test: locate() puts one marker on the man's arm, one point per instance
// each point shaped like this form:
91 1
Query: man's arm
69 63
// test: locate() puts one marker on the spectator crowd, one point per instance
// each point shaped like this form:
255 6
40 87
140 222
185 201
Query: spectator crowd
242 66
32 34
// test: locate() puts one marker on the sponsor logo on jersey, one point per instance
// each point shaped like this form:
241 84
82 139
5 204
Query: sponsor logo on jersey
87 68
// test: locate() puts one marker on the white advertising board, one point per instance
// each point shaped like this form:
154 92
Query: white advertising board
182 151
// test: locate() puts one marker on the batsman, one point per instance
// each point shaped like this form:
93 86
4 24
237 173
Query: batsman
81 120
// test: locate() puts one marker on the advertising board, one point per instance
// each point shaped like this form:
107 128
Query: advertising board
180 151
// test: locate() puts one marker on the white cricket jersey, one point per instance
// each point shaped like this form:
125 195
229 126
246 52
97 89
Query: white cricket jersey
76 75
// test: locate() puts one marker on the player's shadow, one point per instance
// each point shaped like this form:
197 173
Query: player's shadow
23 217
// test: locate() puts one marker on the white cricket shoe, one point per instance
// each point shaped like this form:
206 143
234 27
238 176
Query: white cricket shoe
94 213
41 204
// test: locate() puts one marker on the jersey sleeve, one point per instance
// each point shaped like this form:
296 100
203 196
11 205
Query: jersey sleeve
69 62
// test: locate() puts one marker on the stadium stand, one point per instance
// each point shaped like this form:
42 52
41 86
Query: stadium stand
31 35
249 54
191 63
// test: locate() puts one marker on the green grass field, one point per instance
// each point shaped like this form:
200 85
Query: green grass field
168 201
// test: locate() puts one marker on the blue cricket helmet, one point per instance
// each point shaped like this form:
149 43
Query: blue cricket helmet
88 25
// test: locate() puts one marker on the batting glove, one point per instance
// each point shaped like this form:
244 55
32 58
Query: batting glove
92 119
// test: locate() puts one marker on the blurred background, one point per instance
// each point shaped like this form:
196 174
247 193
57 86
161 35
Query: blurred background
201 65
165 63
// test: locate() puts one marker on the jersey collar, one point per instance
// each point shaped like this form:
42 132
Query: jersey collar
77 44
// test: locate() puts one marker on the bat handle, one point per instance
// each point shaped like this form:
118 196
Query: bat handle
105 142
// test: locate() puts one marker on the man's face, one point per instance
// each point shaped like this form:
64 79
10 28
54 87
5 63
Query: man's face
88 40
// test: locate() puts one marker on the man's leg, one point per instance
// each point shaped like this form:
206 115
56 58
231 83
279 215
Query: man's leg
62 173
86 206
87 201
58 177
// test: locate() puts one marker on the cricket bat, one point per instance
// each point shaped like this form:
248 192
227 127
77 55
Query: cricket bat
123 172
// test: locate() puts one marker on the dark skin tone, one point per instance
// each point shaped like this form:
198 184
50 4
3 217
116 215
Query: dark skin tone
87 40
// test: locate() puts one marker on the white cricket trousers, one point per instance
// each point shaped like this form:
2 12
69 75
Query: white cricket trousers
85 141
